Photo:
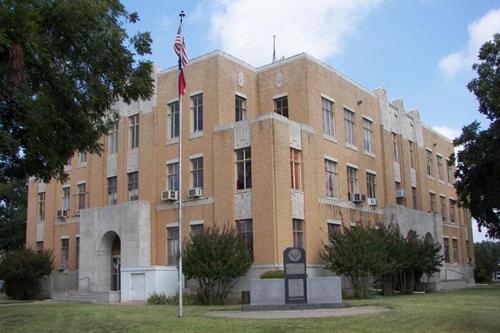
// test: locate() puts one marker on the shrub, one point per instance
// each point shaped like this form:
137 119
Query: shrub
278 274
22 271
157 299
162 299
216 258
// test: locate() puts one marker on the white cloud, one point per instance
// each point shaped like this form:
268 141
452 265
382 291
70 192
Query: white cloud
480 31
450 133
245 28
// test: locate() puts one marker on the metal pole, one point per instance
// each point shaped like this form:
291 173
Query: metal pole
181 280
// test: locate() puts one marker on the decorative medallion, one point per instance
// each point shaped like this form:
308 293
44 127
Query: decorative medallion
241 79
279 80
294 255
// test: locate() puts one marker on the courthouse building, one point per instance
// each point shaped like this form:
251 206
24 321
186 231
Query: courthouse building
287 152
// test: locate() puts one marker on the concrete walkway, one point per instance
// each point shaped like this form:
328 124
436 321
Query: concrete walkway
291 314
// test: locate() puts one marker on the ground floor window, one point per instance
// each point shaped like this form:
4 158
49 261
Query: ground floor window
298 233
77 253
446 247
39 247
455 250
64 253
333 228
196 229
173 246
245 229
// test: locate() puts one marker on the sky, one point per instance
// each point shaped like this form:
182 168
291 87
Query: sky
420 51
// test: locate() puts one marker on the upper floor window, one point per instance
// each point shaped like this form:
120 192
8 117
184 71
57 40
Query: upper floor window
432 197
371 185
328 119
352 181
368 135
429 163
82 158
197 113
453 204
41 206
440 167
414 197
331 179
197 172
449 171
245 229
412 154
112 190
240 108
133 186
66 198
243 168
281 105
173 176
82 196
295 169
113 138
350 127
133 126
395 147
298 233
173 120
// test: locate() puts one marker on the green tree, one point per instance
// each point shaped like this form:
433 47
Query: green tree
62 66
487 255
13 196
216 258
478 163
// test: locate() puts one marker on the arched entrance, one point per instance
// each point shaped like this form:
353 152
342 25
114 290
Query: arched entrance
110 253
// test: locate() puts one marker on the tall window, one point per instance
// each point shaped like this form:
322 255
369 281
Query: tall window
412 154
440 167
197 112
173 176
281 106
370 185
295 169
395 147
173 246
240 108
429 163
414 197
245 229
400 200
77 253
449 172
82 158
328 120
66 198
173 120
133 128
196 229
112 190
197 172
368 135
243 168
81 196
455 250
133 186
298 233
331 179
64 253
446 246
352 182
452 211
432 197
113 138
41 206
443 208
350 127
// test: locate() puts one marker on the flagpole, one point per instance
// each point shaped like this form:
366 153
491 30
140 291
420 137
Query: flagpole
181 281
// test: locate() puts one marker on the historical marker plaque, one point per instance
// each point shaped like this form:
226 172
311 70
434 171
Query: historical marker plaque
294 259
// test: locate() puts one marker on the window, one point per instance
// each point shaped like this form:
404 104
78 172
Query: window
133 186
197 113
440 167
331 179
281 106
41 206
412 154
197 172
240 108
133 125
452 211
432 197
64 253
298 233
39 247
173 176
468 249
368 135
429 163
370 185
173 246
82 158
443 208
112 190
173 120
350 127
414 197
66 198
400 200
113 138
449 172
328 120
245 229
243 168
77 253
196 229
295 169
446 246
352 182
81 196
333 229
455 250
395 147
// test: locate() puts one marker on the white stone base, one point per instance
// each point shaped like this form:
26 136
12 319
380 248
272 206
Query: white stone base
159 279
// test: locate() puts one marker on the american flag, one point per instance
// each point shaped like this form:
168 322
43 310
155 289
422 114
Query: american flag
180 50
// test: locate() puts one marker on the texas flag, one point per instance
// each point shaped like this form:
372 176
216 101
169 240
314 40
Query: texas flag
180 50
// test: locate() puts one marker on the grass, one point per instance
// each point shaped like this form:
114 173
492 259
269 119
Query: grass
475 310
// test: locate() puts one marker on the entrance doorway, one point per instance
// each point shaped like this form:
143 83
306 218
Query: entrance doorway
110 262
115 263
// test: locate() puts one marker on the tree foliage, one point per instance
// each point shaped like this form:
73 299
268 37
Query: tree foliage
13 197
216 258
478 163
22 271
62 66
487 255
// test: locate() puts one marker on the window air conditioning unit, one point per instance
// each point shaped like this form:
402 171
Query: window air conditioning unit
195 192
62 214
169 195
371 201
400 194
358 197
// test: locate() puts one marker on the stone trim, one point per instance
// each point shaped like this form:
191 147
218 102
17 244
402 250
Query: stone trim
187 203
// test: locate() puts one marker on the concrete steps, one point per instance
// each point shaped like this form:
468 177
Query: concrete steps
85 296
454 284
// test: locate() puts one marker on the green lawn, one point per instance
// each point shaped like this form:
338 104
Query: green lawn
476 310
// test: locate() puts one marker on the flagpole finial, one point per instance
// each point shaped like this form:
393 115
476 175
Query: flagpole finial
182 14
